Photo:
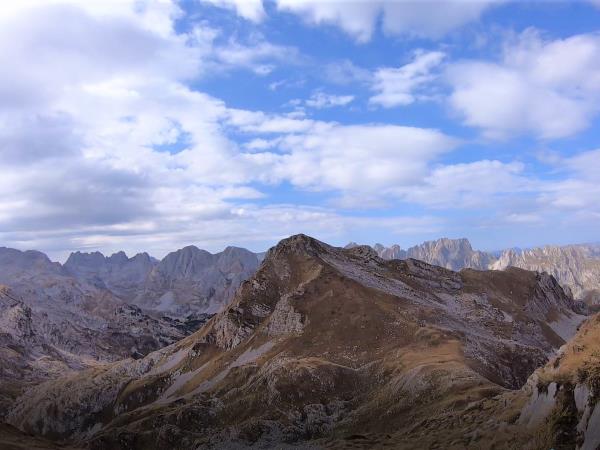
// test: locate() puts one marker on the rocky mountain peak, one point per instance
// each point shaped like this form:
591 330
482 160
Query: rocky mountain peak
185 262
14 261
299 245
84 259
118 258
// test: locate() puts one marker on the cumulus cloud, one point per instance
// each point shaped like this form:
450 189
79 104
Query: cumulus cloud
249 9
105 145
359 18
579 190
549 88
470 185
403 85
362 158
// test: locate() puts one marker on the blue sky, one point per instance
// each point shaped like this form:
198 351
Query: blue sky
147 126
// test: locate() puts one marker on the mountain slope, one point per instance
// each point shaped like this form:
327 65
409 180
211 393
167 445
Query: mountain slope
575 266
121 275
321 345
193 281
52 323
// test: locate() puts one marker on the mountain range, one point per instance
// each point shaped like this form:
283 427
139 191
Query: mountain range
55 319
325 347
308 345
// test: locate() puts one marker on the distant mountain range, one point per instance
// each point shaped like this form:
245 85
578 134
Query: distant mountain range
186 281
59 318
576 267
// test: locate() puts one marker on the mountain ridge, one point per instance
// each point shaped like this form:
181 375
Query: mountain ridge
575 266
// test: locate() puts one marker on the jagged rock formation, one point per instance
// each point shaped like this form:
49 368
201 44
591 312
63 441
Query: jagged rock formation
117 273
575 266
562 397
42 341
59 318
189 281
192 281
326 347
453 254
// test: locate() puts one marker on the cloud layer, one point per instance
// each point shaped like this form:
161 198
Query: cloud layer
109 138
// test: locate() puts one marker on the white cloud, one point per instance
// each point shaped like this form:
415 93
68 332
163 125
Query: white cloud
359 158
249 9
548 88
579 190
257 55
359 18
402 86
320 100
478 184
431 19
106 144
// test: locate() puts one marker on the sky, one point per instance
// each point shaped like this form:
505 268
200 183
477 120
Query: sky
150 125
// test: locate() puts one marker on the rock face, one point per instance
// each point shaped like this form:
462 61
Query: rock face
117 273
453 254
187 281
323 347
575 266
50 323
393 252
192 281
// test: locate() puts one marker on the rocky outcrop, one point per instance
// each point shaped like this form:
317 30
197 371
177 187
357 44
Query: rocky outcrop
194 281
561 399
53 322
189 281
393 252
574 266
454 254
